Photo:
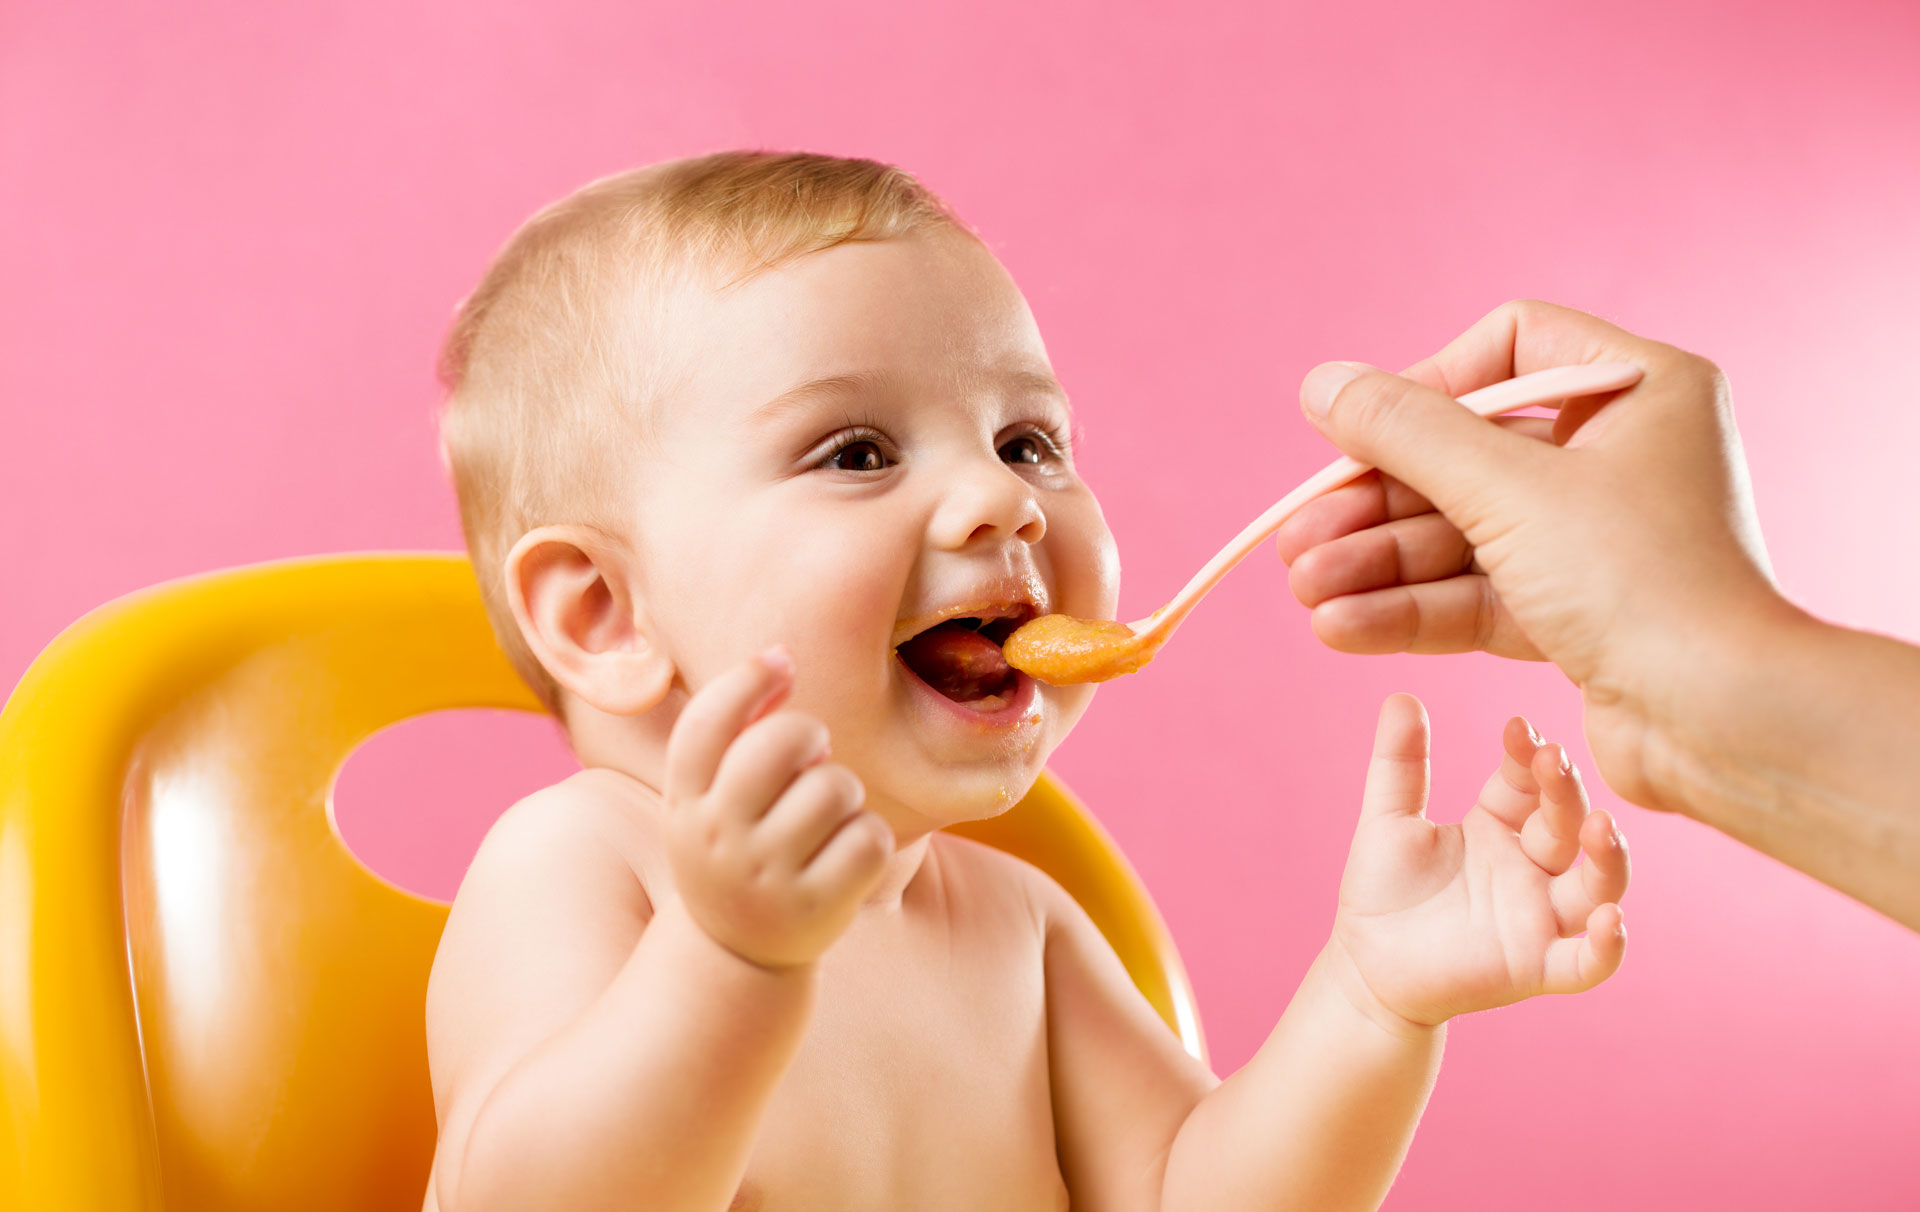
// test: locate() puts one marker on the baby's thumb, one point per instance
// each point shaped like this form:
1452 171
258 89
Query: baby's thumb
1397 777
1417 435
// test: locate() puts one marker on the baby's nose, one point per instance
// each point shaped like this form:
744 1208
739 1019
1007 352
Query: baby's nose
989 505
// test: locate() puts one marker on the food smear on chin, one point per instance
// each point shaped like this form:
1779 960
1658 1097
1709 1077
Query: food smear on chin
961 664
1063 651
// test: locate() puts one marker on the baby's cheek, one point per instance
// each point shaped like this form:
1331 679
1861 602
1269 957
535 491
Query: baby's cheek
1085 559
842 614
854 608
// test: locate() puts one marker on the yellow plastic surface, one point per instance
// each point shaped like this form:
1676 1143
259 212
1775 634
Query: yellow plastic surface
206 1002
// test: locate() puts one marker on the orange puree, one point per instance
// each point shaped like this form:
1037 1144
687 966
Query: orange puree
1062 650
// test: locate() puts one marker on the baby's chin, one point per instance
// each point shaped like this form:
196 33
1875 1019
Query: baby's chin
924 772
955 797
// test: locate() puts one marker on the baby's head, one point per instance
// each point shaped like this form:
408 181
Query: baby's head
722 403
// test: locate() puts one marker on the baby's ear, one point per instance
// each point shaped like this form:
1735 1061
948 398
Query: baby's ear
571 592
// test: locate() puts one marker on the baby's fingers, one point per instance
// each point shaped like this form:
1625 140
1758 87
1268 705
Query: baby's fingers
1398 775
1601 880
811 810
851 860
762 761
1575 965
1551 836
1511 792
716 714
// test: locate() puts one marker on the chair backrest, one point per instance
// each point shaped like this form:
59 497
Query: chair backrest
206 1002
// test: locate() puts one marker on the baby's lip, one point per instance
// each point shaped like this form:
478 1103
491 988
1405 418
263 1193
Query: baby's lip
1003 602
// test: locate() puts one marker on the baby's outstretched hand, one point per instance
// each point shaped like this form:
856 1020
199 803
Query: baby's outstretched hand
1440 920
770 848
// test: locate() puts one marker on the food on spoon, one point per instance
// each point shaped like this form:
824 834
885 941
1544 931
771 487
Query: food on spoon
1062 651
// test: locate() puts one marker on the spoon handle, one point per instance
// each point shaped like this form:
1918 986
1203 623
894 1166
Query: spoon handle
1525 391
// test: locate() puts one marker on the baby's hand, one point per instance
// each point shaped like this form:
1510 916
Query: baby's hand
1440 920
770 848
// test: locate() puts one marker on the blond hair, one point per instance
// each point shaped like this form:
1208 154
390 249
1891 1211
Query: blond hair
550 368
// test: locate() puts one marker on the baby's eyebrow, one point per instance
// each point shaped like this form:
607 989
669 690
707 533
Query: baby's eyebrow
1035 382
1029 382
1040 383
796 398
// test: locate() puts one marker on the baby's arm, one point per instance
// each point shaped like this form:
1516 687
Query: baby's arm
589 1054
1434 921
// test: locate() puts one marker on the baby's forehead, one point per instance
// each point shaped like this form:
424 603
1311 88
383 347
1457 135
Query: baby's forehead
888 320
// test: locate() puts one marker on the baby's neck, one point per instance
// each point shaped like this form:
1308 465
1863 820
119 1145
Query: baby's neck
901 869
636 747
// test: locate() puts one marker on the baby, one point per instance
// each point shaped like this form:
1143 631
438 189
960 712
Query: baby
758 458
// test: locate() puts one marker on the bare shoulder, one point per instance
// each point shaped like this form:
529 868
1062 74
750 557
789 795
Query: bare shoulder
992 876
596 831
550 908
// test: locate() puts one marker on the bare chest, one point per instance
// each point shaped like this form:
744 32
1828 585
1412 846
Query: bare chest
923 1080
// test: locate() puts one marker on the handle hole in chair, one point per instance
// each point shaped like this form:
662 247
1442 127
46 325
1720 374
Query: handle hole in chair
413 801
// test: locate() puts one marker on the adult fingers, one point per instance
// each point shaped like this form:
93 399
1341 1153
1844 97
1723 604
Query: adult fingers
1459 614
1373 500
717 713
1417 435
1425 547
1523 336
1354 506
1393 422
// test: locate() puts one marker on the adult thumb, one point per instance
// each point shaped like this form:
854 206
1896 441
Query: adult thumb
1417 435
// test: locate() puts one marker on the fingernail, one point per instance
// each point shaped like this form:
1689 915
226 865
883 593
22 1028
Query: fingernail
1324 382
1566 763
778 659
1534 736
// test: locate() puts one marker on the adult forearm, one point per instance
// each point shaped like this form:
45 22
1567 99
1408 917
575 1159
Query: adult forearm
1319 1119
652 1097
1802 739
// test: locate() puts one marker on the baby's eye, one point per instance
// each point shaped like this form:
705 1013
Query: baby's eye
861 454
1028 448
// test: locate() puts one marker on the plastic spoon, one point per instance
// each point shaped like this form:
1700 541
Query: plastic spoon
1061 650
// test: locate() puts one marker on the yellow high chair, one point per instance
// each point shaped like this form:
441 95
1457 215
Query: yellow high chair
206 1002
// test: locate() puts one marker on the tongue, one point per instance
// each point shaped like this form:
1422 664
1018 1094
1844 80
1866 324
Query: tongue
958 662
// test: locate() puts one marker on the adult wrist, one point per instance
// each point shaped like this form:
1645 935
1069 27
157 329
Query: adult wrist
1706 703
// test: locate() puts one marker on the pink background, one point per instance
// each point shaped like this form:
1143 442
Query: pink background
234 234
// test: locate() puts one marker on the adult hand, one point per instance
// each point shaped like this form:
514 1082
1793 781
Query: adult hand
1607 539
1618 540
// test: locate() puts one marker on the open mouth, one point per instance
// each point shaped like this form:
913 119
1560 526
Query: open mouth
961 659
